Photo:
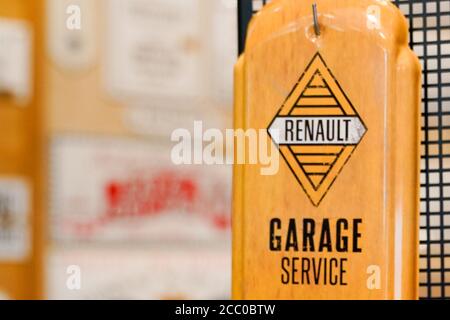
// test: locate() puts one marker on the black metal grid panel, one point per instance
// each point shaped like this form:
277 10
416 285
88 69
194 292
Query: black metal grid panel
429 22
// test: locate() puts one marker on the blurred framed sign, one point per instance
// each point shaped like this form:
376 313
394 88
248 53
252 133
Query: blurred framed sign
72 40
14 219
15 59
141 273
153 48
118 189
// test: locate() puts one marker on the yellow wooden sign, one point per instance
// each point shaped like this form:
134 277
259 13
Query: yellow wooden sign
339 96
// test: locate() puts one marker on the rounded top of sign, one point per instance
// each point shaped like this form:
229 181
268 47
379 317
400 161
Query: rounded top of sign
379 19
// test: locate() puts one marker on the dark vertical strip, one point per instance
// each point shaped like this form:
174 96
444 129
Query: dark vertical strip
425 143
441 149
245 12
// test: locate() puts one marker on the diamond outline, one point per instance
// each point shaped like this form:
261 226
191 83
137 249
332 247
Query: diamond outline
316 198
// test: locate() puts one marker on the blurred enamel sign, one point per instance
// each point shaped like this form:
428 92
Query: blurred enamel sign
153 48
15 59
141 273
119 189
223 37
14 219
71 29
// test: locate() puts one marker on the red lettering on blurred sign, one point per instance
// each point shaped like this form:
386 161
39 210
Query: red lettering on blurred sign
164 193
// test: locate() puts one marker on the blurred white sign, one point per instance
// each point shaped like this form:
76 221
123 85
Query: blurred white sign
72 33
223 40
15 59
153 48
139 273
128 190
14 219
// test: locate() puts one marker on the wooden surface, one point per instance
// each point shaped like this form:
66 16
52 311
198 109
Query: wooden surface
20 150
379 184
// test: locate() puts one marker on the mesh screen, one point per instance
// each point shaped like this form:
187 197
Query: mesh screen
429 23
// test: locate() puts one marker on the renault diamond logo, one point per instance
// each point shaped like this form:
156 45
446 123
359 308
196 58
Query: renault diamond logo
317 129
